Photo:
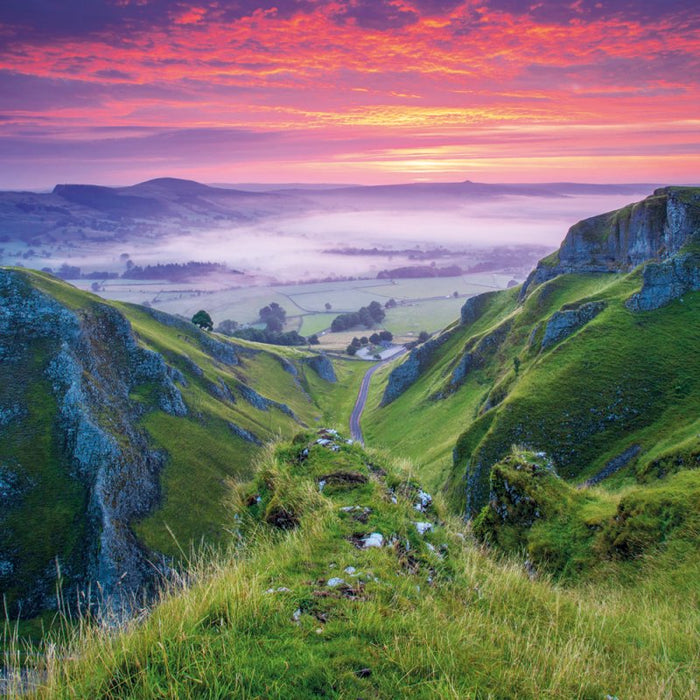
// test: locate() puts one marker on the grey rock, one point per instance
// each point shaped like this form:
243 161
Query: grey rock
192 366
665 281
94 362
261 402
288 366
322 366
7 568
176 375
10 413
614 465
423 527
245 434
656 228
477 352
222 391
375 539
475 306
224 352
406 373
567 321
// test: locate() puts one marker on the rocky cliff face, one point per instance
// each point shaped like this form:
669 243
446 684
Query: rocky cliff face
91 362
656 228
664 281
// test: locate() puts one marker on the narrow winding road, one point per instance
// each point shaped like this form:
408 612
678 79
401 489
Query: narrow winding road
356 416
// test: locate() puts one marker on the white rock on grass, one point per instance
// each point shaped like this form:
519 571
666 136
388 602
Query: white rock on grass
376 539
423 527
335 582
424 501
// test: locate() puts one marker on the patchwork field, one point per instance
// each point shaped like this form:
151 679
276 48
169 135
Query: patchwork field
422 304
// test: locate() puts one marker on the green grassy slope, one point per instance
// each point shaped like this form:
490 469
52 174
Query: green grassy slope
300 611
622 379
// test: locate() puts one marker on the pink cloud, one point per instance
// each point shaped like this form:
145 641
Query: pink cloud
586 90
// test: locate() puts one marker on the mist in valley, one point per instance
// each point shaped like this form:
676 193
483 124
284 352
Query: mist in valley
279 247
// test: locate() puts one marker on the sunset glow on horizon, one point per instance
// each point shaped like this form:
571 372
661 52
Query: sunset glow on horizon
366 91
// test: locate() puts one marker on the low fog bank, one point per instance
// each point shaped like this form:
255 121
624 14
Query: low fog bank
303 246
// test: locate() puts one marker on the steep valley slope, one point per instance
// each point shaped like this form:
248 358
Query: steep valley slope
120 429
594 361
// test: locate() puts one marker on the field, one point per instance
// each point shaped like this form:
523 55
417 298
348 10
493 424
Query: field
422 304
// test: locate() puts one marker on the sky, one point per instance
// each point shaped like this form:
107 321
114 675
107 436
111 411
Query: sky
362 91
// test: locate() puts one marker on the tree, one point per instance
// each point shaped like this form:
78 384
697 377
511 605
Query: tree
364 340
374 338
376 311
388 336
68 272
273 316
455 294
274 324
227 327
366 318
203 320
423 336
516 365
328 306
351 349
313 340
390 304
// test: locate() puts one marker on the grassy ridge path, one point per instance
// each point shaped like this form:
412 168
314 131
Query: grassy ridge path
356 415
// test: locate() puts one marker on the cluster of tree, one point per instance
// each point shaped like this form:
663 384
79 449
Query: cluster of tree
422 337
376 338
273 316
367 316
227 327
259 335
66 272
73 272
100 275
411 253
417 271
174 272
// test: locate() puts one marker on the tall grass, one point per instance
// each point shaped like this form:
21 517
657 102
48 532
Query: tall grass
448 622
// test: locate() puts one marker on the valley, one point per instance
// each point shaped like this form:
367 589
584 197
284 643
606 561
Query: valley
521 521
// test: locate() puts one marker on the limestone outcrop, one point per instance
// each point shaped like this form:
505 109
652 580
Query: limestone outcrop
563 323
91 362
657 228
665 281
